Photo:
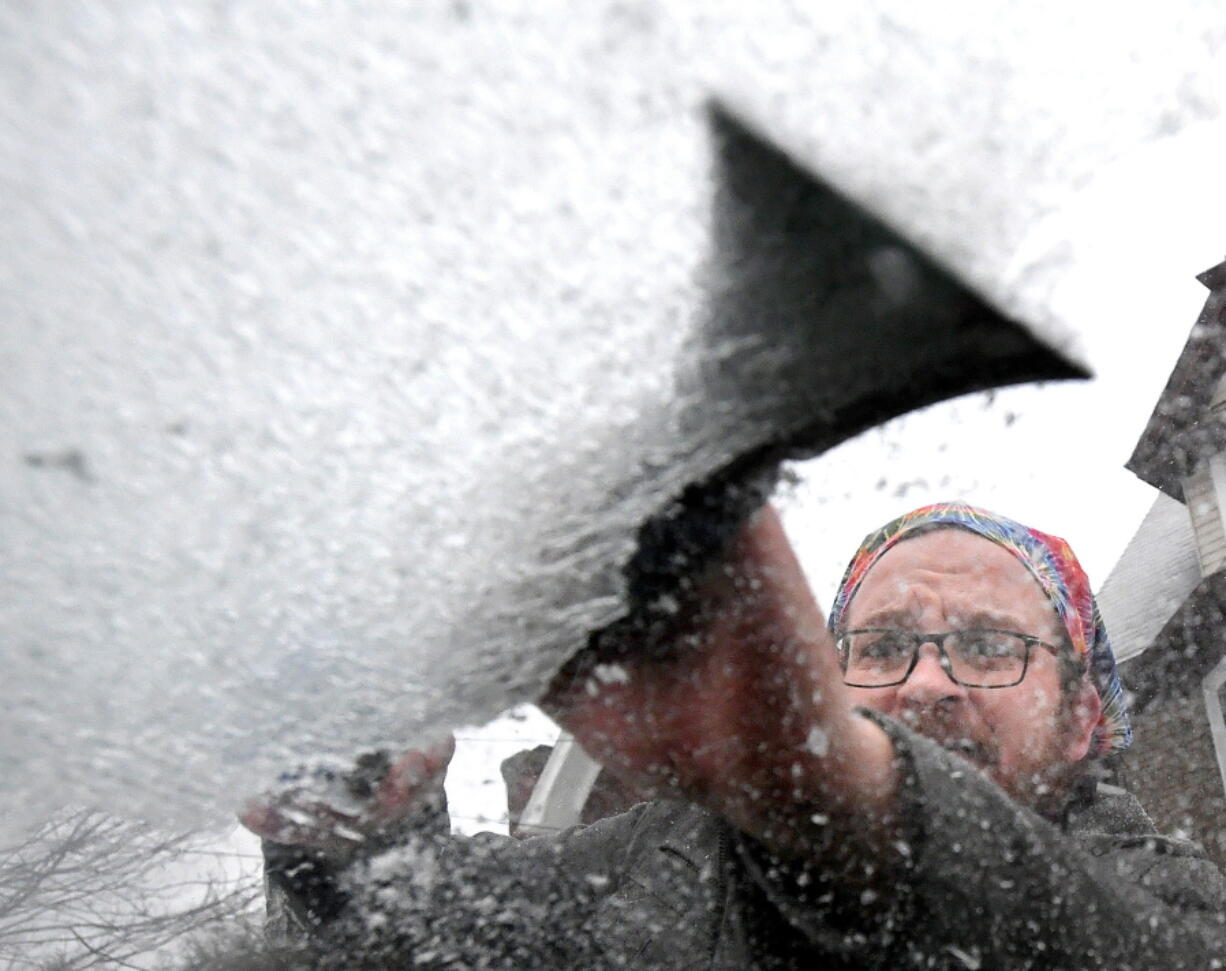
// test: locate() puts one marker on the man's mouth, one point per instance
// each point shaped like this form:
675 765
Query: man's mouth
969 749
949 738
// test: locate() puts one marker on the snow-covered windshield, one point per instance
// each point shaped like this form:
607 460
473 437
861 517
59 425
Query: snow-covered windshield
359 360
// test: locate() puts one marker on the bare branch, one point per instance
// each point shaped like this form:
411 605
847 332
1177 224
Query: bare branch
88 890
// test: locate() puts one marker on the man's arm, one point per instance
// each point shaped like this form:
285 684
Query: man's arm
746 714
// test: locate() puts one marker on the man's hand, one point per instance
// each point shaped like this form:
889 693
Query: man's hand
747 715
336 810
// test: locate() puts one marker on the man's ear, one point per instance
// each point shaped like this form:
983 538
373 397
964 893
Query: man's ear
1084 709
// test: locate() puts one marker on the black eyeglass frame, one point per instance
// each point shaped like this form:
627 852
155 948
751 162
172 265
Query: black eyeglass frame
937 640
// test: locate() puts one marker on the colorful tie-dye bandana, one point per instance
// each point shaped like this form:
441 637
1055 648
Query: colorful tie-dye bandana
1052 563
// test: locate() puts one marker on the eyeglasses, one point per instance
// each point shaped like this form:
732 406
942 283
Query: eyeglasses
875 657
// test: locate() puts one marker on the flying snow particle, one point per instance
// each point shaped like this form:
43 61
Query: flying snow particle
611 674
971 961
818 742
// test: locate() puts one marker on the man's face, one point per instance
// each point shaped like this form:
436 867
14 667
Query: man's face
1025 736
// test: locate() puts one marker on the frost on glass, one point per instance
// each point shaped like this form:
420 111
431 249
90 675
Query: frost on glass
346 350
349 350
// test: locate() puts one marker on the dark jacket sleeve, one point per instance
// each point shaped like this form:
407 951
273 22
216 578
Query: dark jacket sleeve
983 882
303 887
435 900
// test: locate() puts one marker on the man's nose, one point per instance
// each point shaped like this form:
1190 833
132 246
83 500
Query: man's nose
929 681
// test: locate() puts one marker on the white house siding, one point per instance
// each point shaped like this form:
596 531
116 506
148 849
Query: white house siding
1157 571
1203 491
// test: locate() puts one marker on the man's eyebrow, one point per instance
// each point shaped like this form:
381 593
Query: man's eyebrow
988 618
887 617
